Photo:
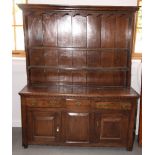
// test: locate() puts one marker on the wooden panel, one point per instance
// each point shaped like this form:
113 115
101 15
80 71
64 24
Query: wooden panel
93 58
107 126
108 58
52 76
93 31
64 31
114 58
121 58
37 75
37 57
51 57
112 128
65 77
79 77
77 127
115 78
44 121
50 30
79 31
108 31
122 31
42 126
65 58
79 58
35 30
119 78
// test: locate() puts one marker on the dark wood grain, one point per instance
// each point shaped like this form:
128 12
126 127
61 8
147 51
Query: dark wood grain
112 127
35 30
78 73
76 127
73 90
50 35
57 36
79 31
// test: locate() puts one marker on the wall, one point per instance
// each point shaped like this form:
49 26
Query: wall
136 83
88 2
18 82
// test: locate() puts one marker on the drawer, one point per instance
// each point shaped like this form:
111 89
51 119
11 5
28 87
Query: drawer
45 102
74 103
113 105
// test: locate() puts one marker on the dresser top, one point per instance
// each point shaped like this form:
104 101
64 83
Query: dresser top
76 7
78 91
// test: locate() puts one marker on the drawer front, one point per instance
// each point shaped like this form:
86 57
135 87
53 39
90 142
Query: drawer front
75 103
44 102
113 105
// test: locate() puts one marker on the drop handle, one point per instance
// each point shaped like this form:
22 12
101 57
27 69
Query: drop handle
33 103
97 124
78 103
57 129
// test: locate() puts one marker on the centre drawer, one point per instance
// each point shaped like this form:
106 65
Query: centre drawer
77 103
45 102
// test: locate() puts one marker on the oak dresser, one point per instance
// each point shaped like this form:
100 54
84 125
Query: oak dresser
78 62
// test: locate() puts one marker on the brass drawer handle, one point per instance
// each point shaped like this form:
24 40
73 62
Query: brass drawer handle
33 104
78 103
57 129
52 102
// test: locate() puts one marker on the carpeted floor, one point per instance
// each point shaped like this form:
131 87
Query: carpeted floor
17 148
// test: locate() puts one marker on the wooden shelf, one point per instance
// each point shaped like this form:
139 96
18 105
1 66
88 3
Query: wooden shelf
80 68
76 48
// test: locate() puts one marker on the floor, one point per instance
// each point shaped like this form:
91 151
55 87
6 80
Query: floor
17 148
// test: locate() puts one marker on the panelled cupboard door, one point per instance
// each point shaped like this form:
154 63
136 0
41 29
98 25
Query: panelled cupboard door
111 128
43 126
76 127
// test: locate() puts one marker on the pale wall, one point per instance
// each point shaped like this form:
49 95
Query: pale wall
87 2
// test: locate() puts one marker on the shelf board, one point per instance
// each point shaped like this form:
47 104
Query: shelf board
80 68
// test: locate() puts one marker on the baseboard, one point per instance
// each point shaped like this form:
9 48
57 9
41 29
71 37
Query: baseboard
16 124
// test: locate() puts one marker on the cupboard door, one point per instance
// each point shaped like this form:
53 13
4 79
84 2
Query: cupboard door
111 128
76 127
43 126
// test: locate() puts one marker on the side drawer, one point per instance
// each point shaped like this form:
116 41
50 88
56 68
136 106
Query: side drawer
77 103
45 102
113 105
